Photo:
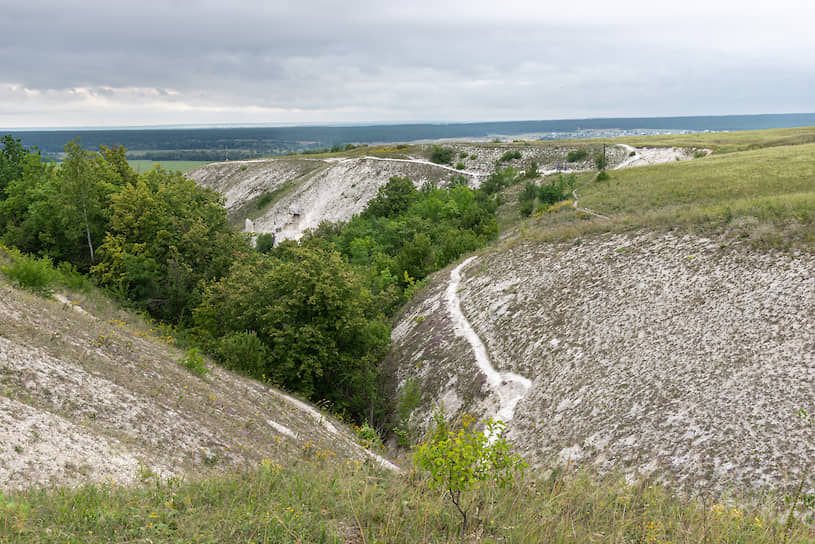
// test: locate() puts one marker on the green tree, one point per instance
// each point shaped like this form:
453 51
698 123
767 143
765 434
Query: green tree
12 157
61 213
393 198
458 461
320 327
167 237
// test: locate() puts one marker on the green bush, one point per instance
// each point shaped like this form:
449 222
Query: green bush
264 200
559 189
242 351
30 273
441 155
603 176
500 180
462 155
265 242
459 166
600 161
409 398
70 277
526 207
579 155
369 437
531 170
194 362
509 155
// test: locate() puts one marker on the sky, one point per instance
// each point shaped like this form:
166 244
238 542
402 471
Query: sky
169 62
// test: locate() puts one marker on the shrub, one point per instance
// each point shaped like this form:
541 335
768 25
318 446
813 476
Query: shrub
194 362
531 170
600 161
459 166
70 277
526 207
509 155
369 437
499 180
603 176
579 155
462 155
30 273
459 461
441 155
409 398
265 242
264 200
242 351
458 180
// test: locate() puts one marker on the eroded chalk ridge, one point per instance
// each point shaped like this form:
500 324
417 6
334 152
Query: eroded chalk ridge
509 387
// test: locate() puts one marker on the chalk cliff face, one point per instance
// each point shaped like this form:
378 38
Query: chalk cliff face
288 195
648 353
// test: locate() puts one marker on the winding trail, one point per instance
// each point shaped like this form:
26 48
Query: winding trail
508 386
417 161
586 210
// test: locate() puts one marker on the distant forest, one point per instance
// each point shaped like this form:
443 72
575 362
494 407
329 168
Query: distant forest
215 144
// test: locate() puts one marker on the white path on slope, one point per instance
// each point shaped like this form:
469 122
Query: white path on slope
509 387
417 161
630 159
333 430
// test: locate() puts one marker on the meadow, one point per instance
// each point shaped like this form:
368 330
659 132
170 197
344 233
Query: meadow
143 165
314 500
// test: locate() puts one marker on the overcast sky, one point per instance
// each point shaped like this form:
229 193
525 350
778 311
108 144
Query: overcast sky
115 63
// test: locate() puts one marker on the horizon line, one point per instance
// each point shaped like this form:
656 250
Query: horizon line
179 126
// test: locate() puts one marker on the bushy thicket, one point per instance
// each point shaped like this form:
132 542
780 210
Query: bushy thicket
546 194
441 155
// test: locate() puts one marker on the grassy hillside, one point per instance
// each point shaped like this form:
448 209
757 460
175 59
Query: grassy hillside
765 194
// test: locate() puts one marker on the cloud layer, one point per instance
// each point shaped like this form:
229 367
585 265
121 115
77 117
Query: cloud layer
122 63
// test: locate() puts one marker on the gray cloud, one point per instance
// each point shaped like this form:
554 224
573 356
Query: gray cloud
257 61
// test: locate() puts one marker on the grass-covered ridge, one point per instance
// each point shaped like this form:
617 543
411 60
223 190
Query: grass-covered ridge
766 194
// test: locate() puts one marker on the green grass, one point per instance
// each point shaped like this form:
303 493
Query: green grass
766 194
143 165
318 500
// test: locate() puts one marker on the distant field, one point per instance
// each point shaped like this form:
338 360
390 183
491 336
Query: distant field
182 166
728 142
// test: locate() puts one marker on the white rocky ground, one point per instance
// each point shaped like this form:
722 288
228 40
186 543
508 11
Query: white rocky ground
85 397
649 353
